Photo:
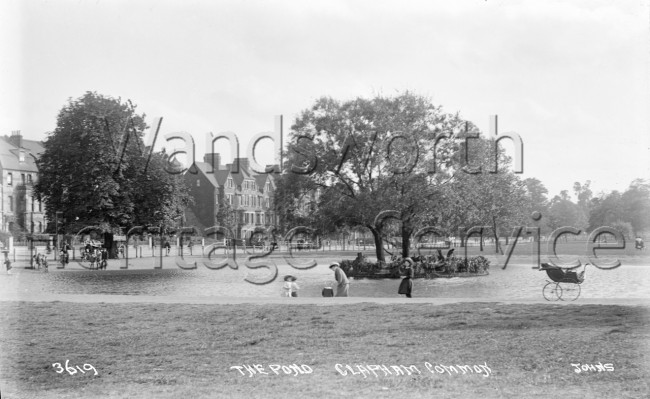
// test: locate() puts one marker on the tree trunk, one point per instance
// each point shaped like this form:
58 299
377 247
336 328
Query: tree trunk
406 238
379 248
497 246
110 244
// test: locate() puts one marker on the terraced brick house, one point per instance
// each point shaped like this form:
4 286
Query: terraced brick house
247 196
21 211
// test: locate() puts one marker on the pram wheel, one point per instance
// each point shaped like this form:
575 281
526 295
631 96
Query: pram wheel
552 291
569 292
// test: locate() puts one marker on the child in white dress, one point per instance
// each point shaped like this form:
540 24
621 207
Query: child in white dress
287 287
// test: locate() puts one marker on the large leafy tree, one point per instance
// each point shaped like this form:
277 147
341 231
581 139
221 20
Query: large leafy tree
372 155
563 212
636 205
630 209
96 171
497 200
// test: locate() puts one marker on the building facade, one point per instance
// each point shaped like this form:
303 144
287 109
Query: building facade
21 211
230 195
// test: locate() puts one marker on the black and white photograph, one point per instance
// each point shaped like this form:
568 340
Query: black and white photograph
324 199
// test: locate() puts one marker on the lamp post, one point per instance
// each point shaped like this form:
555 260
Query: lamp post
56 232
31 243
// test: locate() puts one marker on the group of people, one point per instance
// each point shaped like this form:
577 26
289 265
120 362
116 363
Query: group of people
40 261
98 257
290 287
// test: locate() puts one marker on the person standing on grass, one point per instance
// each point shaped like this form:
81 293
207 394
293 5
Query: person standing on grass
286 287
342 281
406 286
294 287
104 258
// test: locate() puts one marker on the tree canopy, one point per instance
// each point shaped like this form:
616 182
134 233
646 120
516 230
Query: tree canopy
96 171
366 156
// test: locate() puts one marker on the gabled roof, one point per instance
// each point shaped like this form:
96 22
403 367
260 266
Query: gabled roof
261 180
219 176
241 175
10 155
203 168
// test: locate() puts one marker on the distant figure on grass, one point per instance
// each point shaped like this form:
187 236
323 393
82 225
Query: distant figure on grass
342 281
638 243
104 256
287 286
168 247
294 287
406 286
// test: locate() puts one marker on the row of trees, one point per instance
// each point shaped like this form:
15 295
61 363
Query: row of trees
363 157
431 168
628 212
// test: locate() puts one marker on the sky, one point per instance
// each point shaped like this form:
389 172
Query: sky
572 78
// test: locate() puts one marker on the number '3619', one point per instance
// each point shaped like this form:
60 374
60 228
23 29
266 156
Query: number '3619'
72 370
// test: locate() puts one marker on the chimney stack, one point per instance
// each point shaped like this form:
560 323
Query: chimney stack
213 159
243 164
16 138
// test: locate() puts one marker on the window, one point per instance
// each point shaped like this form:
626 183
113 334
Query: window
29 179
40 206
11 203
32 204
230 185
40 227
22 178
10 179
198 183
268 187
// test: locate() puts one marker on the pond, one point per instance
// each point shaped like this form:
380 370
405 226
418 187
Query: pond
517 281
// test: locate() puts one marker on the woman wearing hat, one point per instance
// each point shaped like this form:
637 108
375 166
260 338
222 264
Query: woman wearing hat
342 280
406 286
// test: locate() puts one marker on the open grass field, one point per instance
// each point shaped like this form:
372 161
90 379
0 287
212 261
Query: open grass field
177 350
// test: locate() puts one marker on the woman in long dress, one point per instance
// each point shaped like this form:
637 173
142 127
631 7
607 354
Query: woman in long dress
406 286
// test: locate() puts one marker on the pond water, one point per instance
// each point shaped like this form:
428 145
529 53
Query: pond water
518 281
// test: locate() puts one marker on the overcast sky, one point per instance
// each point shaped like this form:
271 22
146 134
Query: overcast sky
571 77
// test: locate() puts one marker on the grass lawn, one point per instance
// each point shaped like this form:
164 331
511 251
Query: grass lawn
187 351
